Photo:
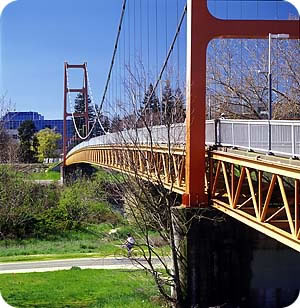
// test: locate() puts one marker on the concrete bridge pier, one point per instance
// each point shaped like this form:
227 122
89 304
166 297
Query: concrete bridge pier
76 171
218 271
231 265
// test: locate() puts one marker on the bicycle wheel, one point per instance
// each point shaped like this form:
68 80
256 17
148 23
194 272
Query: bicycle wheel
134 254
120 253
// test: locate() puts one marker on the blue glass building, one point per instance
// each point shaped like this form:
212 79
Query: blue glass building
13 120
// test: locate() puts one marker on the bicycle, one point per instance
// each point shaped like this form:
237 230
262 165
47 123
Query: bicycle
123 252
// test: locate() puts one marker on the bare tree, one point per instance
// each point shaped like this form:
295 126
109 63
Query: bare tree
153 162
8 146
237 78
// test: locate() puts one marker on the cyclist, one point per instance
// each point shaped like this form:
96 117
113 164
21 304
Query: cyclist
130 241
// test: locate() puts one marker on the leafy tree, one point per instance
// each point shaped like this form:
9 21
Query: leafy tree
150 102
116 124
179 106
47 139
150 108
80 121
105 124
8 146
79 107
4 141
28 149
168 102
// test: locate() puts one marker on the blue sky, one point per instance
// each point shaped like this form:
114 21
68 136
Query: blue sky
37 36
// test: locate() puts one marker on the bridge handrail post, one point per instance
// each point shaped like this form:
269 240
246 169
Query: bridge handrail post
269 137
293 139
232 132
217 140
249 136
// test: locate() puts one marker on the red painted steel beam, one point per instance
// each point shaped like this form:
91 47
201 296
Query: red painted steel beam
201 28
67 114
76 90
75 65
75 114
85 93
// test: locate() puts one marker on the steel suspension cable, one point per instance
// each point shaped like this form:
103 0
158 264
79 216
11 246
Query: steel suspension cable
148 45
178 47
114 54
166 59
129 54
97 112
107 84
73 117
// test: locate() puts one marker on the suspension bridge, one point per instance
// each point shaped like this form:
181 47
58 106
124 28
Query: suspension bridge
143 130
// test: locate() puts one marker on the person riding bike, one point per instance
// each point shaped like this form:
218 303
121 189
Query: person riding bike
130 241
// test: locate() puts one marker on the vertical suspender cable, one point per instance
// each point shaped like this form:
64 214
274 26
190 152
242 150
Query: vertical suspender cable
166 25
134 35
178 49
148 45
277 52
241 51
156 51
141 32
129 56
166 59
124 64
135 55
141 56
156 39
112 61
118 78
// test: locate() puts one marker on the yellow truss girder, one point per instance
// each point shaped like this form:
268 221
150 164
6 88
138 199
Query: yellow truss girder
252 189
157 164
257 201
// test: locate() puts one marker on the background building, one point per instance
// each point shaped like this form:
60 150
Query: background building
13 120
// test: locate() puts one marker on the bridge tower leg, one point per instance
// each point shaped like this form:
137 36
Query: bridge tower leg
84 114
201 28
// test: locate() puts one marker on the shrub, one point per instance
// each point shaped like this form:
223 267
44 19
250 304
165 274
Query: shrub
85 202
22 203
30 209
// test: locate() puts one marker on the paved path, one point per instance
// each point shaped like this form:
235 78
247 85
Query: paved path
48 182
95 263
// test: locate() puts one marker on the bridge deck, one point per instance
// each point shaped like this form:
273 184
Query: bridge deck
259 190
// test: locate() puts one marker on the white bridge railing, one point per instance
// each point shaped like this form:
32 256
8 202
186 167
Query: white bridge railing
243 134
253 135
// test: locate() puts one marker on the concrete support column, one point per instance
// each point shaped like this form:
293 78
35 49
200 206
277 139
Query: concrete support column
192 240
216 255
199 265
62 173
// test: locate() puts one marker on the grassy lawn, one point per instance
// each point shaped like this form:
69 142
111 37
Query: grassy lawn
72 244
80 288
49 175
94 242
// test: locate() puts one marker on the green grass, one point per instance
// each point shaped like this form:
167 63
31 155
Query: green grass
73 244
48 257
80 288
49 175
95 241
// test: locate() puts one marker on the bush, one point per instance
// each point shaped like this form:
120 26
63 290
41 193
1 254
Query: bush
30 209
85 202
22 203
